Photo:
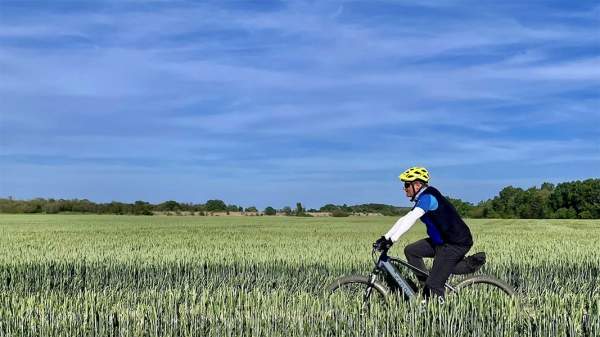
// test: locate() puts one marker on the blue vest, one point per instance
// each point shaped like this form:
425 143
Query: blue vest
444 225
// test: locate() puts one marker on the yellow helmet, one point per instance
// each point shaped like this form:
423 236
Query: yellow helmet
415 173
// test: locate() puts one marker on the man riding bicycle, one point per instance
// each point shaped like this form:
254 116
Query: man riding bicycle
449 237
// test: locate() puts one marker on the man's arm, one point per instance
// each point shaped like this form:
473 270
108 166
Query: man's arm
404 224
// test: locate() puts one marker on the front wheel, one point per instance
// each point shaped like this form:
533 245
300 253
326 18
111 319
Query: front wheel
484 283
359 289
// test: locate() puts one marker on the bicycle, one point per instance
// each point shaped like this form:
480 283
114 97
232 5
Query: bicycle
386 278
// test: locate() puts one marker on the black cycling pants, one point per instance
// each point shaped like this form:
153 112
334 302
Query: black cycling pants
445 257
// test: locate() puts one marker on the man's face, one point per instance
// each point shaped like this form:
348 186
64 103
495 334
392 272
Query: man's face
411 188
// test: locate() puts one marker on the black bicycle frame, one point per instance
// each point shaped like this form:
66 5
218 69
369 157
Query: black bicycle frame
385 264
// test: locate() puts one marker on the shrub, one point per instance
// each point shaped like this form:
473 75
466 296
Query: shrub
338 213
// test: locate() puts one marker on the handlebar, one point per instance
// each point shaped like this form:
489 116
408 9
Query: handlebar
375 250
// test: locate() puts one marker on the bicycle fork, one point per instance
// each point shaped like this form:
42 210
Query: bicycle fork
369 289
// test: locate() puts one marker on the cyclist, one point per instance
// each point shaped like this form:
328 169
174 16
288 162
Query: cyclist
449 237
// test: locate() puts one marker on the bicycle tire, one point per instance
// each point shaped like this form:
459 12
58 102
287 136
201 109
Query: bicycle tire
360 280
473 280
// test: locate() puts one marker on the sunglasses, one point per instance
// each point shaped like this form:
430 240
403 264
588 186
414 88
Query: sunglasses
407 184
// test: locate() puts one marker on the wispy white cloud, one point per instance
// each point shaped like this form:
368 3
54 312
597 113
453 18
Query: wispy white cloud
587 69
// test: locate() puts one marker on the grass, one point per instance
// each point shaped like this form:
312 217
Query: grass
85 275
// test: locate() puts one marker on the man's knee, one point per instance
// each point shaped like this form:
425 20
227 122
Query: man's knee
409 250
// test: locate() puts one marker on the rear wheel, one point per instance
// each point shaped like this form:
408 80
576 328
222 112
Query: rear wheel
489 284
357 290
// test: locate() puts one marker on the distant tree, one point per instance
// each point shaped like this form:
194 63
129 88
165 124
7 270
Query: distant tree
198 208
34 206
507 201
287 210
51 207
565 213
462 207
338 213
8 206
299 209
329 208
534 205
115 208
251 209
547 187
581 196
270 211
187 206
388 210
169 206
233 208
83 206
142 208
215 206
489 211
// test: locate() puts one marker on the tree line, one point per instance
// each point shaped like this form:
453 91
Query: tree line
55 206
569 200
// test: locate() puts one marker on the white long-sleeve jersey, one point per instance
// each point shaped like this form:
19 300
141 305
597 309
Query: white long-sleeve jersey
404 224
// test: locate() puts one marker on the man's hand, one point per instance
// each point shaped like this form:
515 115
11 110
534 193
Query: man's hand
382 244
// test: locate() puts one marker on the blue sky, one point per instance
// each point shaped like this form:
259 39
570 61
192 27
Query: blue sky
269 103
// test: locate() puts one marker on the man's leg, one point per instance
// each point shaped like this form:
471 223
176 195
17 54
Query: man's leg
416 251
446 257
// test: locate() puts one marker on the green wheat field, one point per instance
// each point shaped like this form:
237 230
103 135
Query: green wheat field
92 275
